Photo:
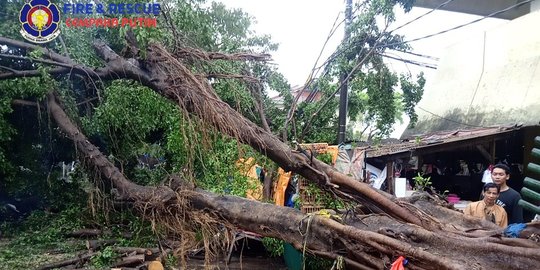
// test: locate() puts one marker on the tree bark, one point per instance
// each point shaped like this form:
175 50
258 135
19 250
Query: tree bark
172 79
366 242
81 259
130 261
403 228
95 245
267 183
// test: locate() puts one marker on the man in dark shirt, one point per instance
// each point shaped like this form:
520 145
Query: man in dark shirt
508 197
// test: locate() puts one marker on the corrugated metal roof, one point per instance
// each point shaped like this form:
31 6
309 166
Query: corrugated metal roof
435 139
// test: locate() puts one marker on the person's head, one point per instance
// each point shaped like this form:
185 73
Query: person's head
500 174
491 193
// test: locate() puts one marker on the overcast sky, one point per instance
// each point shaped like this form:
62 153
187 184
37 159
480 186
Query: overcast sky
302 26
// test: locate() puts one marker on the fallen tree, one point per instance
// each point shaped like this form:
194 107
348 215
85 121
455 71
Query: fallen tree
429 235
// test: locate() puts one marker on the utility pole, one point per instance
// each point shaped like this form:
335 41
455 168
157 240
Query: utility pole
343 77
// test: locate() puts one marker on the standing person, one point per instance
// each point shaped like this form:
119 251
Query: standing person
486 208
508 197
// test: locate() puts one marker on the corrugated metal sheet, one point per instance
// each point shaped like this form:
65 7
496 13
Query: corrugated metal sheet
435 139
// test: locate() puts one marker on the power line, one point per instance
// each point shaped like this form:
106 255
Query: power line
459 26
418 54
408 61
341 50
423 15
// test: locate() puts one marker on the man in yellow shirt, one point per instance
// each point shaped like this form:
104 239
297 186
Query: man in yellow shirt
486 208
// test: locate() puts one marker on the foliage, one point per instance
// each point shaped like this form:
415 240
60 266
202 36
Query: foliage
412 93
129 122
274 246
16 256
170 261
377 96
324 199
315 263
40 238
325 157
321 197
141 230
38 232
422 183
104 258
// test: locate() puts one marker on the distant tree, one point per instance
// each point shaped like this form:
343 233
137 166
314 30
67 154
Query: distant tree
377 96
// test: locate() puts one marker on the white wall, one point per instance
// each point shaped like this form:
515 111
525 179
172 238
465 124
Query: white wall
492 78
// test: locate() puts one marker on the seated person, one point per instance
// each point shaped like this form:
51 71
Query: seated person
486 208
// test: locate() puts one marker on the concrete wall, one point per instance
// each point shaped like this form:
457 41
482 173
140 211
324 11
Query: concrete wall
489 79
481 7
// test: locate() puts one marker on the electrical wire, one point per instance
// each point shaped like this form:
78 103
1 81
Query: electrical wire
418 54
408 61
340 51
423 15
457 27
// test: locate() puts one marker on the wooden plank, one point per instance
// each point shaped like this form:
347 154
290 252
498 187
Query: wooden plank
390 177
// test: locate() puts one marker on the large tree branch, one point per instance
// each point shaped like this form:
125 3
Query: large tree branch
12 74
127 190
44 61
166 75
231 209
23 102
187 52
66 63
46 52
370 241
172 79
362 240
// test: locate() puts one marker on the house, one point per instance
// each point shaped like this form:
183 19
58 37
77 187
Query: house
303 95
308 95
484 81
481 108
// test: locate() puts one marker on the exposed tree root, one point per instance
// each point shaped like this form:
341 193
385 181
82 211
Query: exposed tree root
430 236
365 242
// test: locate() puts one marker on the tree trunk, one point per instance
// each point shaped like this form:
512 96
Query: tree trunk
169 77
130 261
430 236
95 245
365 242
267 183
80 260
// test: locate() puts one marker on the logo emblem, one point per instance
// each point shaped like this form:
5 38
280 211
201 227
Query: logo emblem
40 21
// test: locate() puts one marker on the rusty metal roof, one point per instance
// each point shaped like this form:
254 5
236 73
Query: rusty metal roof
436 139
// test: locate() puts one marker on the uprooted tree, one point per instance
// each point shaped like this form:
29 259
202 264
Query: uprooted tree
368 236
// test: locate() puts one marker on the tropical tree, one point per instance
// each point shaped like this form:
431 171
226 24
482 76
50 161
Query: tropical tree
158 95
377 96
